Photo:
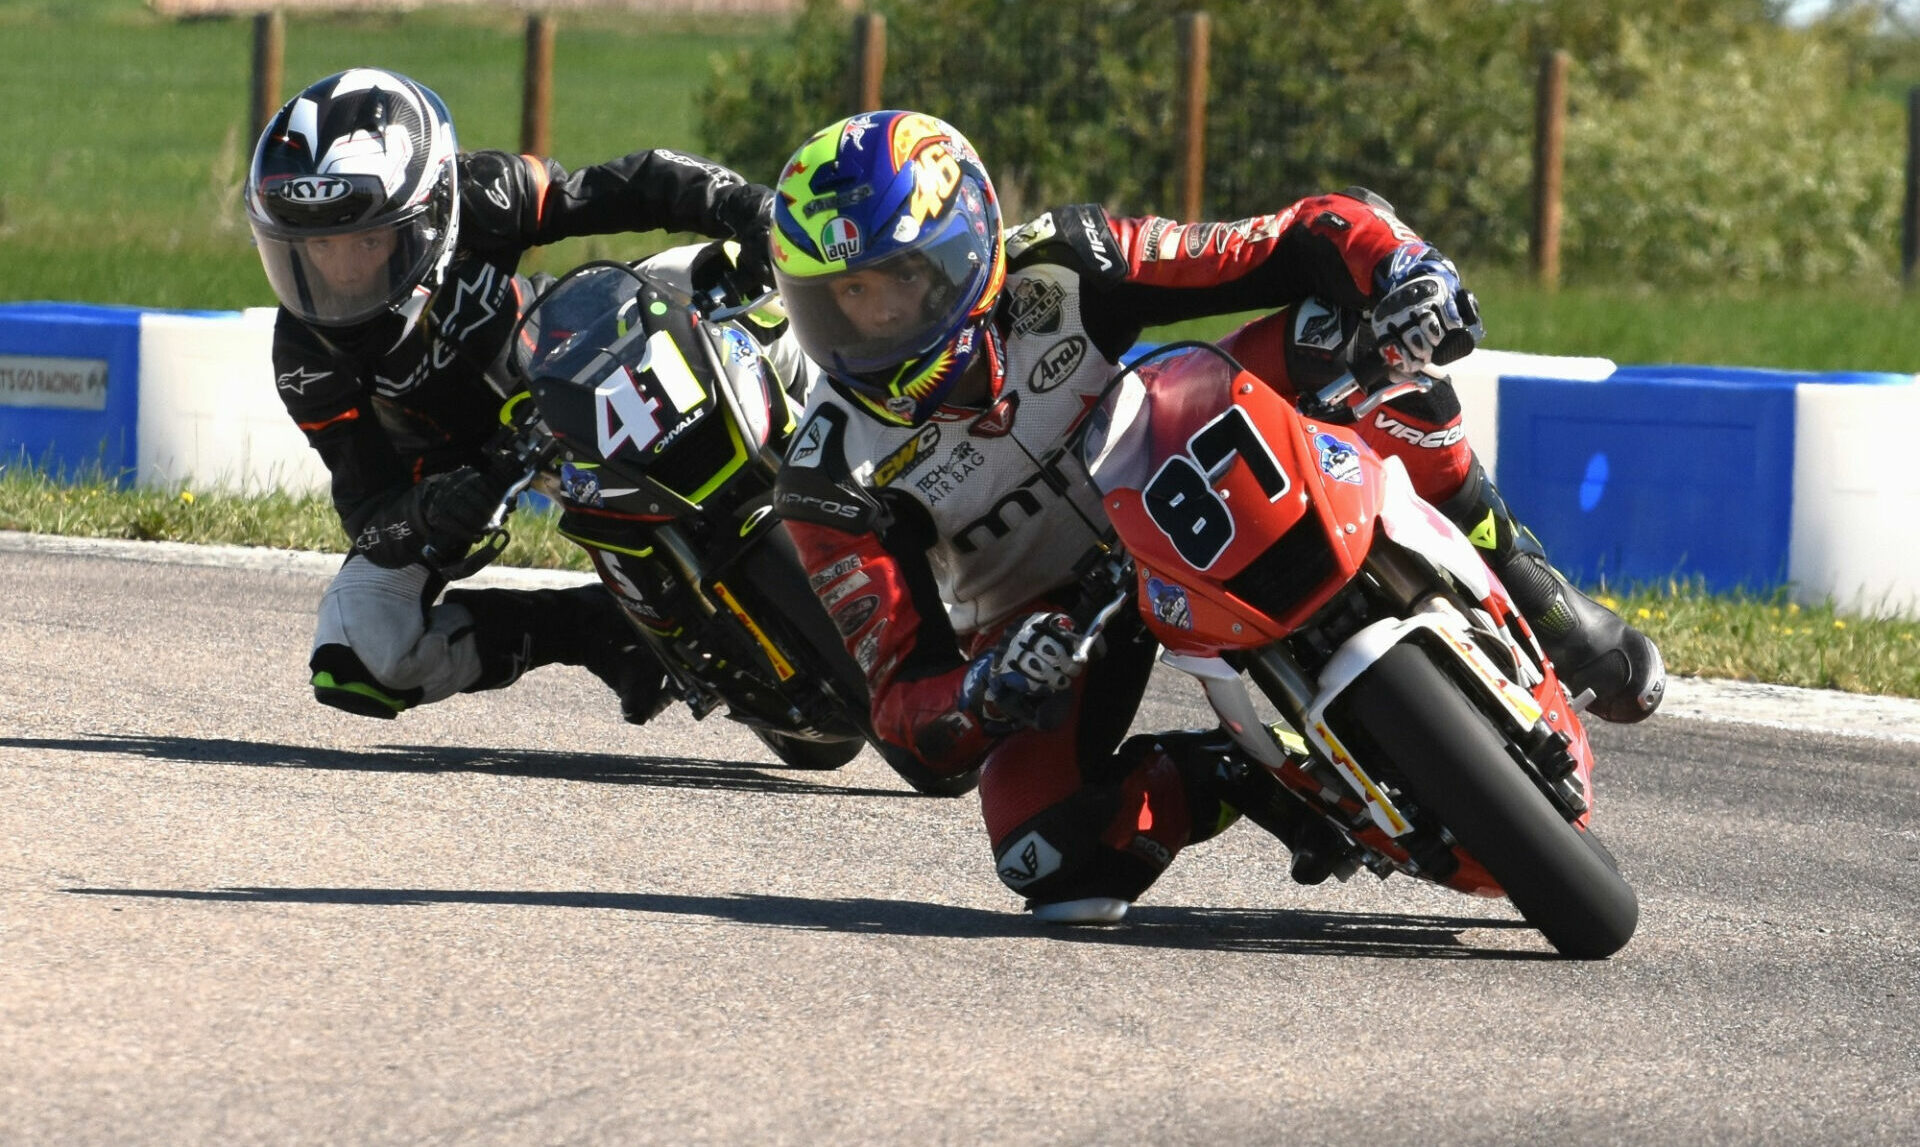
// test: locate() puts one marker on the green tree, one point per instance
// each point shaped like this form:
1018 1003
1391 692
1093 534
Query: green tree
1707 141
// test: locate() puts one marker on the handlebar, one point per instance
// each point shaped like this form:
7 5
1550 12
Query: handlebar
1369 374
723 313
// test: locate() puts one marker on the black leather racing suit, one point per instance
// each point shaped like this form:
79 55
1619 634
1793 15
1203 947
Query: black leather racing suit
395 400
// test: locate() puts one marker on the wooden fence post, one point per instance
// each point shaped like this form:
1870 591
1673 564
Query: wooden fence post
869 60
536 91
269 41
1549 140
1194 30
1910 206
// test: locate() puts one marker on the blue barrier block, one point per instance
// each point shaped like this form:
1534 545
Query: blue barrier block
1754 376
70 386
1686 471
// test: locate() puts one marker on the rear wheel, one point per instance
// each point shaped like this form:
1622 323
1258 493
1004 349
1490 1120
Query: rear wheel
800 753
1455 766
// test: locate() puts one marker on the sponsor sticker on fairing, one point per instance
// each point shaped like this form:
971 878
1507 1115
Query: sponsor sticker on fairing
581 487
740 348
1169 603
1338 459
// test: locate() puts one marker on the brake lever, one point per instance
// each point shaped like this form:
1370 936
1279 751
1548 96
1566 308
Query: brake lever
1083 652
1339 393
1054 709
727 314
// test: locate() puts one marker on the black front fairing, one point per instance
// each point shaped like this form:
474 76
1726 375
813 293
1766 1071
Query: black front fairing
648 413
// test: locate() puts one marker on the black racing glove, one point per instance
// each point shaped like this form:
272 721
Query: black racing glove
748 213
454 509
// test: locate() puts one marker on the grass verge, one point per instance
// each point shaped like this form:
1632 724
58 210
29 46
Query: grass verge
1751 637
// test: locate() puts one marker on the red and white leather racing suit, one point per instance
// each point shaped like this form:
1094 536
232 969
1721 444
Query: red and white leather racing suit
925 542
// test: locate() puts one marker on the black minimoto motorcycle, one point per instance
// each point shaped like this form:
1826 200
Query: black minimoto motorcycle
654 406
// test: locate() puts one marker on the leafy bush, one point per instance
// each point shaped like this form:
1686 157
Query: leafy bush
1753 165
1706 142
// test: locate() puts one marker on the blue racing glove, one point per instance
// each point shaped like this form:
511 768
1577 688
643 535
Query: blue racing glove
1007 686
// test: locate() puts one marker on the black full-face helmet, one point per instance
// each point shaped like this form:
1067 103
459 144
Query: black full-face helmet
352 198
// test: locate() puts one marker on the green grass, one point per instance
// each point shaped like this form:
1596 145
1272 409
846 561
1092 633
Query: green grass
126 141
89 504
1768 638
1741 636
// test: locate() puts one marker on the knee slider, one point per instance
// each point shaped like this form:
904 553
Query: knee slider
1058 855
342 680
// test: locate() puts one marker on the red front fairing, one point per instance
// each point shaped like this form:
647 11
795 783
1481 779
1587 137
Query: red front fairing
1313 535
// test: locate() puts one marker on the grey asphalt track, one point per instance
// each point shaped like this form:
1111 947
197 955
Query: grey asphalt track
230 916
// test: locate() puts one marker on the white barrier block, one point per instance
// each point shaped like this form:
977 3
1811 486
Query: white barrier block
1856 498
208 409
1476 379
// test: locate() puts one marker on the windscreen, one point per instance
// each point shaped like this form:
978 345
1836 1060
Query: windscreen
1151 410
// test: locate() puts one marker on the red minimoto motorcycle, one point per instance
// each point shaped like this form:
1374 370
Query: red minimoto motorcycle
1418 715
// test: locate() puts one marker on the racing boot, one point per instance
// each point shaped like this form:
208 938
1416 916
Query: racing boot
518 630
1590 646
1211 764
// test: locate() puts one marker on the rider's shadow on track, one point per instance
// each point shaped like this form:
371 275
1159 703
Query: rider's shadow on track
609 768
1265 931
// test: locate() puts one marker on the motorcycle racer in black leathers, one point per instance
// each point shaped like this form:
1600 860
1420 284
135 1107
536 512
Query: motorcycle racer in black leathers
394 258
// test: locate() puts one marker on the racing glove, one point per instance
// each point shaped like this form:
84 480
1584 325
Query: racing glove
1008 686
455 507
1424 316
748 213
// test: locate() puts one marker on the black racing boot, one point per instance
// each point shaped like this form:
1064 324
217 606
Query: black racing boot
1213 766
518 630
1590 646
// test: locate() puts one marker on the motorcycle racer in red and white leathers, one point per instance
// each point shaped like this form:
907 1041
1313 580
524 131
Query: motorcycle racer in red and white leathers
942 518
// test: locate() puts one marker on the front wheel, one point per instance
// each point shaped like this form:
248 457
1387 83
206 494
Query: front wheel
800 753
1455 766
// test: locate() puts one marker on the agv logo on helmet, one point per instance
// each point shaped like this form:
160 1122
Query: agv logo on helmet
841 239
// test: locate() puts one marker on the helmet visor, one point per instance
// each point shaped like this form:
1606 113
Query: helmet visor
862 323
337 278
